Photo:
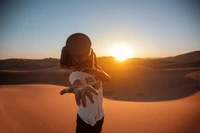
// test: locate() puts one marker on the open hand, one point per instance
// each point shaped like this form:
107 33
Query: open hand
80 93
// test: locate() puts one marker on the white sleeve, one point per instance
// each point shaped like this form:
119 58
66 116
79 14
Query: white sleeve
74 76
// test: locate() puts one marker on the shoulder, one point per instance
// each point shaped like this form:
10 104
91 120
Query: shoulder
77 75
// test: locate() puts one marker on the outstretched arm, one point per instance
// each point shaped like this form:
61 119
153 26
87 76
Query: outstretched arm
100 74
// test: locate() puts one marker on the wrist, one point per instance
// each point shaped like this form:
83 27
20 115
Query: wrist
73 88
97 70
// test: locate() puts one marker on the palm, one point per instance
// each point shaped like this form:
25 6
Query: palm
80 93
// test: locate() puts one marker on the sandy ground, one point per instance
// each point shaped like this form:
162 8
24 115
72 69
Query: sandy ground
143 97
38 108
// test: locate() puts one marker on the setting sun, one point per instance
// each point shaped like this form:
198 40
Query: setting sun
121 52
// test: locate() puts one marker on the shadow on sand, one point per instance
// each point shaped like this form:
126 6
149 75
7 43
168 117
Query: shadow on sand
134 83
143 84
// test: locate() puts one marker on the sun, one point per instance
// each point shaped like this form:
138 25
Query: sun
121 52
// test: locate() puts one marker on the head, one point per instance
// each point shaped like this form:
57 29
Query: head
79 47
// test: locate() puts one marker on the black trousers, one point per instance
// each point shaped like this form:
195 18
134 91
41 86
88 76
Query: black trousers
82 127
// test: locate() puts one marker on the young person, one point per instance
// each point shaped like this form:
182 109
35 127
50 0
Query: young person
86 83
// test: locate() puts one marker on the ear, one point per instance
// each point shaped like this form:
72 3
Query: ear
65 59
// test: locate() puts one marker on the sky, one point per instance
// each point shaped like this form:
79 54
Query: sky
37 29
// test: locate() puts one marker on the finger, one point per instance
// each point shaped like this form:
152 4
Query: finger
64 91
70 90
93 90
89 95
77 98
83 99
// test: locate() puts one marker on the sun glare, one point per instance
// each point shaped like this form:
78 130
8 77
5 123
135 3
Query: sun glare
121 52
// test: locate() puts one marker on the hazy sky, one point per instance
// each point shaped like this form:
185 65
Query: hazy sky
151 28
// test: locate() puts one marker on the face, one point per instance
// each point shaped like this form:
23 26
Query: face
79 58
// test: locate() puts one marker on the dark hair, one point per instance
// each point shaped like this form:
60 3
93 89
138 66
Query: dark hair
77 43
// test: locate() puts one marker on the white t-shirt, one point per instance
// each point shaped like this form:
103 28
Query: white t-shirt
93 112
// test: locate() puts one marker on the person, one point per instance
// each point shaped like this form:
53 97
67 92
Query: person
86 83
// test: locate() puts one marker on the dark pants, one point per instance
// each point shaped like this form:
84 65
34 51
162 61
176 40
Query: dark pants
82 127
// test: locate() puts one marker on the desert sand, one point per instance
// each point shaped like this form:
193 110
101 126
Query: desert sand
141 98
39 108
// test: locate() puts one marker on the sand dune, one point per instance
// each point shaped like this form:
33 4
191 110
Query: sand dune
139 83
144 96
40 109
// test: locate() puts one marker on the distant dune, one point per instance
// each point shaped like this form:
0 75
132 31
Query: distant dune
187 60
27 64
187 57
145 95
